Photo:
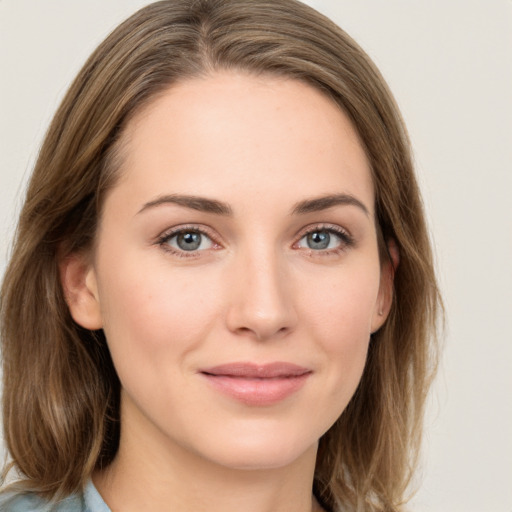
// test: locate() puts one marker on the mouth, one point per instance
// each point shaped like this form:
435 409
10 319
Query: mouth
257 385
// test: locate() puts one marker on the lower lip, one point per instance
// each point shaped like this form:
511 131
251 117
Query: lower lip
253 391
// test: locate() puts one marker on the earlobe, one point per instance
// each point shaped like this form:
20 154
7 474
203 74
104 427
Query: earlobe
78 280
387 276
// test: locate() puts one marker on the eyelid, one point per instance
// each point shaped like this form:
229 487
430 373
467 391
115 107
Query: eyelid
162 238
346 238
325 226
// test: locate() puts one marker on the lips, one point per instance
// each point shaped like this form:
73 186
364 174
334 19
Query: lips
257 385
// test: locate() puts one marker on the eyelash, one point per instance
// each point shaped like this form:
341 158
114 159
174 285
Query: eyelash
346 240
163 240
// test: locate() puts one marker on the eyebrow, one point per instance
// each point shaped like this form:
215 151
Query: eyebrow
201 204
214 206
324 202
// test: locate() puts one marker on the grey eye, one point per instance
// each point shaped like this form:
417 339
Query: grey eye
189 241
321 240
318 240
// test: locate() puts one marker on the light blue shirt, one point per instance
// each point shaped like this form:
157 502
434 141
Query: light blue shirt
89 501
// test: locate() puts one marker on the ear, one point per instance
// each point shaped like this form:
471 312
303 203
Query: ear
80 288
385 296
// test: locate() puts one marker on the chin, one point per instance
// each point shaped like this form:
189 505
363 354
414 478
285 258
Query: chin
261 451
254 461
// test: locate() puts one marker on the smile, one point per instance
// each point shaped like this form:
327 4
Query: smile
257 385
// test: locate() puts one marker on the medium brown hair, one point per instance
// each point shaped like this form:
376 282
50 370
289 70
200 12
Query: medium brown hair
61 391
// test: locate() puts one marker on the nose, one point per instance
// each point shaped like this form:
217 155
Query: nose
261 302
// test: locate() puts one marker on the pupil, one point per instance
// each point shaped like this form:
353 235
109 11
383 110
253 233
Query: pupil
189 241
319 240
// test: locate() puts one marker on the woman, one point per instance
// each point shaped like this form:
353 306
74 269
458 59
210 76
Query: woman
221 294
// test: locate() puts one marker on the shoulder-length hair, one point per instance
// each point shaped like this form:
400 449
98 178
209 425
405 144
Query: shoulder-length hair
61 391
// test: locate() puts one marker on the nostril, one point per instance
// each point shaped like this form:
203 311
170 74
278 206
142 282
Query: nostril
261 333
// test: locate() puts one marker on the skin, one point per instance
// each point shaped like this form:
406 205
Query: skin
253 291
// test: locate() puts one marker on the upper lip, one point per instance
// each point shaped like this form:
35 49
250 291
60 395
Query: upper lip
259 371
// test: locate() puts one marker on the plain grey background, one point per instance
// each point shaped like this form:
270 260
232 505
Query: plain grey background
449 64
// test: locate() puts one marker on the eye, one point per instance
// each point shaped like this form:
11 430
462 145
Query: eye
187 240
324 239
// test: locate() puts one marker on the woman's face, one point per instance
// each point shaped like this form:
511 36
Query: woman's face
236 273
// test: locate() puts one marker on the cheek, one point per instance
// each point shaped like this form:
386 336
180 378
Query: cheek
341 307
148 309
338 316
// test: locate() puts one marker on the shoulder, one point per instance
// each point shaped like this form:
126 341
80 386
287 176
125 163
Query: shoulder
88 501
30 502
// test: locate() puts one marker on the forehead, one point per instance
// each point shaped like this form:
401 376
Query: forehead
248 133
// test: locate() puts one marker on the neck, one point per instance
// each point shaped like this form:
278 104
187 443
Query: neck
160 476
129 485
